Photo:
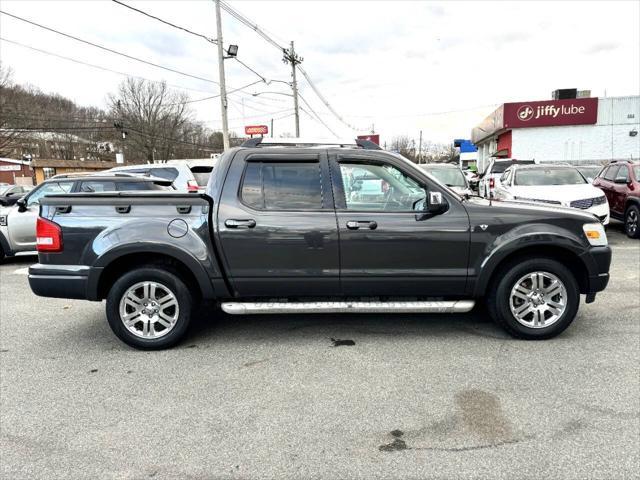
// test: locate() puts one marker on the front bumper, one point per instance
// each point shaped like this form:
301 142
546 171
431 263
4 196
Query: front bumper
597 261
59 281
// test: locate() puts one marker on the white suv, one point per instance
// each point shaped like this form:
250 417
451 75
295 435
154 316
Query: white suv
494 171
186 175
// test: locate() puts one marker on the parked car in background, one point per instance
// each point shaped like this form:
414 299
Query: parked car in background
9 194
620 182
552 185
200 168
186 175
450 175
494 171
472 178
18 222
590 172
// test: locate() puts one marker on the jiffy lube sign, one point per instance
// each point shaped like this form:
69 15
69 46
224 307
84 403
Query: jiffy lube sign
573 111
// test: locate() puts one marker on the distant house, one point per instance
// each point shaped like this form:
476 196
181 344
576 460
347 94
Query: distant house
55 145
16 172
44 169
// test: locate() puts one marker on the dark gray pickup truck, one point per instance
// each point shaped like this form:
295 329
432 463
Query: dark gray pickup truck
291 228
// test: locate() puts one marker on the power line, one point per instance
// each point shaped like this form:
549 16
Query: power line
110 50
317 116
245 21
324 100
252 25
74 60
208 39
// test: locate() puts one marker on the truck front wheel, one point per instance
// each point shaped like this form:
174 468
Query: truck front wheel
534 298
149 308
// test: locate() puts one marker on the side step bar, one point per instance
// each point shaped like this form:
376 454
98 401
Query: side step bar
245 308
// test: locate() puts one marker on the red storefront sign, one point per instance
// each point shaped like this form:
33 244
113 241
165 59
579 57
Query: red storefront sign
256 130
573 111
375 138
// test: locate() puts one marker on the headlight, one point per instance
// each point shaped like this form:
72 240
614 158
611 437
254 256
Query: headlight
595 234
3 220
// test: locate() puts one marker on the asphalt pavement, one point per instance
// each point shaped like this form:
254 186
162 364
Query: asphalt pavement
418 396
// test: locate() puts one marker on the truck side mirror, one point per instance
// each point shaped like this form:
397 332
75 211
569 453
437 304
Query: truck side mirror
22 204
437 203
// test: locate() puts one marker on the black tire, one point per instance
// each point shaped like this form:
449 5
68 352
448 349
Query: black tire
165 278
632 221
507 277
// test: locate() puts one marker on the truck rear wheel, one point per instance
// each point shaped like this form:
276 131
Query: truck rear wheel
149 308
534 298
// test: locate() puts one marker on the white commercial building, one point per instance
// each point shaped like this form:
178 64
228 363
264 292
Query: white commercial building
574 130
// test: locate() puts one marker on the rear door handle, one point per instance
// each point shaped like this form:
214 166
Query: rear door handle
232 223
356 224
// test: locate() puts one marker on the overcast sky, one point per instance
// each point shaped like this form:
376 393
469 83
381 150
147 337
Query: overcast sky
393 64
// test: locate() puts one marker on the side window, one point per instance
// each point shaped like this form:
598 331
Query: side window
611 172
505 178
623 173
97 187
282 186
379 187
48 189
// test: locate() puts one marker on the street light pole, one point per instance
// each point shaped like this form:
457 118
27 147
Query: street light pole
291 58
223 89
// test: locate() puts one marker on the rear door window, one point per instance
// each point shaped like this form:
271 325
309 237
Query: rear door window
94 186
611 173
133 186
282 186
167 173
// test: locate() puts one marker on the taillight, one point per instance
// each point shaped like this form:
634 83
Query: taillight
492 183
192 186
48 236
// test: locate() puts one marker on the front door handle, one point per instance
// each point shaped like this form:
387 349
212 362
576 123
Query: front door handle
231 223
356 224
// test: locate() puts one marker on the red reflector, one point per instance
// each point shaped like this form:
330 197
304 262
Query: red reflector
492 183
192 186
48 236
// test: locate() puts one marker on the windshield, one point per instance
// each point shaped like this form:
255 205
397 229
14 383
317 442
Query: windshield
4 189
452 177
500 167
590 171
548 176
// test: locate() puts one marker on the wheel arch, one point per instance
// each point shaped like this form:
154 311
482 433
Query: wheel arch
115 263
566 256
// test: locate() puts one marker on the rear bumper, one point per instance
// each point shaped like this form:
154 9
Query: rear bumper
59 281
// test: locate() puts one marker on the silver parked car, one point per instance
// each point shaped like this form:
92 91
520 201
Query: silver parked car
186 175
450 175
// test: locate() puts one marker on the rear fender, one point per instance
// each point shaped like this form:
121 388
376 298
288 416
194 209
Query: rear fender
152 237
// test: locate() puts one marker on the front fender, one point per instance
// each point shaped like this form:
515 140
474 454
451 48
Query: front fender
526 237
151 236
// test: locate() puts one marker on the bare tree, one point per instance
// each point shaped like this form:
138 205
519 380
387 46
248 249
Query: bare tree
157 119
405 146
9 137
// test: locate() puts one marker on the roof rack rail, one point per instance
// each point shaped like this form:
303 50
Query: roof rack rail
302 142
625 160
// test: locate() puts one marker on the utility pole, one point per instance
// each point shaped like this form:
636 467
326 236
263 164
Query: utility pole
223 89
291 58
420 149
272 128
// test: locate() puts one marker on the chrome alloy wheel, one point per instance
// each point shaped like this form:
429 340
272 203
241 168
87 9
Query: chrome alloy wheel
538 299
631 223
149 310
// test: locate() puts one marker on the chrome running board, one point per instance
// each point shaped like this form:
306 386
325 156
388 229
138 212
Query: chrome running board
439 306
